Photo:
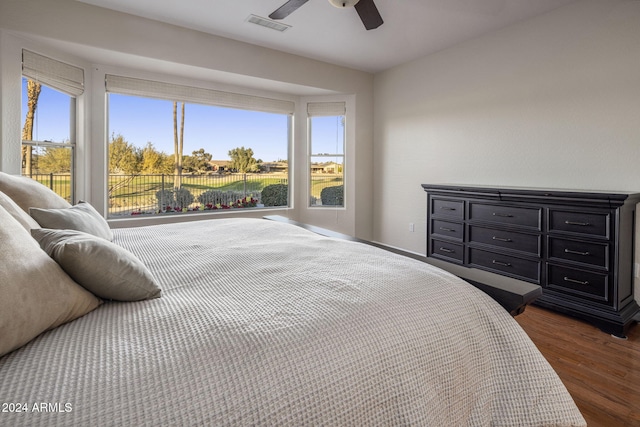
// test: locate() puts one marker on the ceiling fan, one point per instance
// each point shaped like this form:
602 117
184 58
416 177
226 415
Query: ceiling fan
366 9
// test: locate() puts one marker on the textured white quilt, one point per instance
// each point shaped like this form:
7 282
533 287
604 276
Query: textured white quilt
263 323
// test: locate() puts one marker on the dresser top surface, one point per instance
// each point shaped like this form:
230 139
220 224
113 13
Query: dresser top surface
506 191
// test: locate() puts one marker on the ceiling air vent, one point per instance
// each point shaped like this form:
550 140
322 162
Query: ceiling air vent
267 23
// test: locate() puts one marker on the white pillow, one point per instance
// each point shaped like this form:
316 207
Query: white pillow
81 217
29 193
104 268
35 293
12 208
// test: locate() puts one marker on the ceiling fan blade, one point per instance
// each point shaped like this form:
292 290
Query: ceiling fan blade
369 14
287 9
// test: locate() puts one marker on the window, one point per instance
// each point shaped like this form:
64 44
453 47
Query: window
326 153
49 90
176 148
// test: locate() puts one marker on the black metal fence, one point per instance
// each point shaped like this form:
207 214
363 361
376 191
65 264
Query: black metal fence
157 193
60 183
154 193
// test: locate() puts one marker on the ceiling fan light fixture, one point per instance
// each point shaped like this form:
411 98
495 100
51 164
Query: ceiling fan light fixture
343 3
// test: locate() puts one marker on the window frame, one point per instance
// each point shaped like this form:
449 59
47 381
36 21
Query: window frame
201 94
326 109
64 78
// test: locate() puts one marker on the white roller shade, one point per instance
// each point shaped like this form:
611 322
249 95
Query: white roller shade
55 74
326 109
174 92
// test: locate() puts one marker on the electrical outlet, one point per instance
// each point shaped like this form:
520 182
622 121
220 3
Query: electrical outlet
412 228
636 270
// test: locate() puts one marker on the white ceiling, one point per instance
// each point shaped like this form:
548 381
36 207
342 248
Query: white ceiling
411 29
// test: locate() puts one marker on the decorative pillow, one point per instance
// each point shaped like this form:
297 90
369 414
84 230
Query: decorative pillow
15 211
35 293
102 267
81 217
29 193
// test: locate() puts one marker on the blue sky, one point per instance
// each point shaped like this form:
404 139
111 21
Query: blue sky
52 115
216 129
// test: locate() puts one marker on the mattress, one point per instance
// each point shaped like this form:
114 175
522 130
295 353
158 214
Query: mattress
265 323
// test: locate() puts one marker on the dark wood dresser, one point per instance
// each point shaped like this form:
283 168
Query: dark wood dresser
577 245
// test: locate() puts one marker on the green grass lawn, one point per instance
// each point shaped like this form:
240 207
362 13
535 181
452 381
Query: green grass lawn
139 192
318 183
60 184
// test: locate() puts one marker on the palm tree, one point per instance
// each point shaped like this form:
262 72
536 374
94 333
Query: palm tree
33 92
178 144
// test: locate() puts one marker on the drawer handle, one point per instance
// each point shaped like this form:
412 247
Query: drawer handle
502 215
500 239
579 282
504 264
582 224
447 208
569 251
447 229
447 250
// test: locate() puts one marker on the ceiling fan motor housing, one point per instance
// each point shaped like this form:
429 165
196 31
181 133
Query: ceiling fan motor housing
343 3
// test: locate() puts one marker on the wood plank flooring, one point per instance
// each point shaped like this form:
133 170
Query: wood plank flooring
601 372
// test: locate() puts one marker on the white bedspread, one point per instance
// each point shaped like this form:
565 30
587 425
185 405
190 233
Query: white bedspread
263 323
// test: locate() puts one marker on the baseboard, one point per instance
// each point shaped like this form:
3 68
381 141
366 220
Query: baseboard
397 249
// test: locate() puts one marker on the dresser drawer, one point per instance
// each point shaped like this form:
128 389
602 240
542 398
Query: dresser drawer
446 250
580 283
589 224
509 215
453 230
588 253
448 208
505 264
522 242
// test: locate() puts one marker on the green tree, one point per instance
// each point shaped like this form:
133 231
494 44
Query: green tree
242 160
55 160
198 161
123 156
154 161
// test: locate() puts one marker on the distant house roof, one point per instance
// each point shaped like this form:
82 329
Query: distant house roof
220 162
275 166
218 165
328 167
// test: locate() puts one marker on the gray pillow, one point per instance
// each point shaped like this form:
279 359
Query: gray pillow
81 217
15 211
104 268
29 193
35 293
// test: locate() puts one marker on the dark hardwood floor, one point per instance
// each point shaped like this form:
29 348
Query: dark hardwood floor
601 372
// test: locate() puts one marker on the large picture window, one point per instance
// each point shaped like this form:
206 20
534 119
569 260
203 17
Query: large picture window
177 149
49 90
326 153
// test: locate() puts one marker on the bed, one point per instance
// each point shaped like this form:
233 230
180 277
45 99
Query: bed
257 322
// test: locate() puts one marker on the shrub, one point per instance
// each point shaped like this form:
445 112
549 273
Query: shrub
165 198
183 197
176 198
332 196
215 197
275 195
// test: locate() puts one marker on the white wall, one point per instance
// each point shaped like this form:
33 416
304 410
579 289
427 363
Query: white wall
102 37
550 102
